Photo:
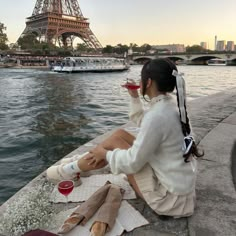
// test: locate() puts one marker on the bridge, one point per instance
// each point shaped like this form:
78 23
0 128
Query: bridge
188 58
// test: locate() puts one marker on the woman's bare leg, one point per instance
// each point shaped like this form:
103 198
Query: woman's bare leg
119 139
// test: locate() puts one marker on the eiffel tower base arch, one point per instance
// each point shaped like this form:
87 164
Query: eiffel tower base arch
60 22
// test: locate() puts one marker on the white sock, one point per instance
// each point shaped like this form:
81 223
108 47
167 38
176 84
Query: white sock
71 168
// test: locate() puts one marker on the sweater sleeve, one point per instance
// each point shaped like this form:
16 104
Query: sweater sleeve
142 151
136 111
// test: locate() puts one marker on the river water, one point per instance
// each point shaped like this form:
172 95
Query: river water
45 115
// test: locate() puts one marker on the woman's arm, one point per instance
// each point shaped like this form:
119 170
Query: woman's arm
143 150
136 107
136 110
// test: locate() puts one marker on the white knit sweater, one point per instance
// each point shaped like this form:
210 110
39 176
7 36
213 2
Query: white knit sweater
159 143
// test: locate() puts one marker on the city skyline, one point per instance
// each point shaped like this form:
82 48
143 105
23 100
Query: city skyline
136 21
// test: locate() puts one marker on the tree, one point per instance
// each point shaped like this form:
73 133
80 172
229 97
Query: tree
145 47
82 47
3 37
121 49
134 47
195 49
108 49
28 41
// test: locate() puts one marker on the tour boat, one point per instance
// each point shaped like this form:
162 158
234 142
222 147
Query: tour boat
91 64
7 65
6 62
217 62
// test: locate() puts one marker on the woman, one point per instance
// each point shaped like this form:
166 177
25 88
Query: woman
160 161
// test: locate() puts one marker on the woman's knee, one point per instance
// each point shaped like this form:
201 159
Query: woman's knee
115 141
120 133
124 135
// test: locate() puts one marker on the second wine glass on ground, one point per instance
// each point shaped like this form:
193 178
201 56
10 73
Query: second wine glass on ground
65 187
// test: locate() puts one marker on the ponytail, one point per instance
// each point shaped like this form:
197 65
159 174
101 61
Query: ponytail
167 78
190 146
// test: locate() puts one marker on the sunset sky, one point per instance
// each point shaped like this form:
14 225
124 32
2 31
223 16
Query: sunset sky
154 22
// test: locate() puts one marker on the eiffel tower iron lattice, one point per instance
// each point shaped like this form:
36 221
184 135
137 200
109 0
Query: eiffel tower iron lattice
60 21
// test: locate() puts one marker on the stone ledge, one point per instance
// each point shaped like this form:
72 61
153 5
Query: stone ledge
215 213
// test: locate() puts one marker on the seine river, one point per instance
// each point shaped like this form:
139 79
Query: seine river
45 115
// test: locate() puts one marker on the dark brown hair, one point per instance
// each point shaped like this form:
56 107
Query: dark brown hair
160 71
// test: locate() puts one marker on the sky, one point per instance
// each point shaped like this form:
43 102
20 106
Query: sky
155 22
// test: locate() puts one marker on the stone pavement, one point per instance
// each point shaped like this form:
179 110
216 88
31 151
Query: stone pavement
216 196
214 122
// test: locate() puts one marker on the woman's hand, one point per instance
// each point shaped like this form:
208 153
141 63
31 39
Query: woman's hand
98 155
132 92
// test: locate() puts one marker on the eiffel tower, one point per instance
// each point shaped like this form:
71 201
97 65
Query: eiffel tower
60 22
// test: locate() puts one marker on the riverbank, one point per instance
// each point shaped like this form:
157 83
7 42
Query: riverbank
214 122
31 67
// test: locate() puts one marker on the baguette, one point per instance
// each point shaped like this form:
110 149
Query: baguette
73 220
86 210
98 229
106 200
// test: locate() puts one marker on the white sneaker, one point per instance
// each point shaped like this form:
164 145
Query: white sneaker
55 174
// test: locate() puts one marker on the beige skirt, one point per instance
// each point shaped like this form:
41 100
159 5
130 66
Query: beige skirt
160 199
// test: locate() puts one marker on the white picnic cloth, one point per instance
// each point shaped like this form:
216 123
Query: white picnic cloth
127 219
90 185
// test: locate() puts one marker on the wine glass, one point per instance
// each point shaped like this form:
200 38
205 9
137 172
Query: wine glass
130 84
65 187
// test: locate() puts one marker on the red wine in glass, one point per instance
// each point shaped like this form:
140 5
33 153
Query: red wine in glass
65 187
130 86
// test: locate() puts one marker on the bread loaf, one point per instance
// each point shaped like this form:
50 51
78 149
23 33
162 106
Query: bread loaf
73 220
106 200
86 210
98 229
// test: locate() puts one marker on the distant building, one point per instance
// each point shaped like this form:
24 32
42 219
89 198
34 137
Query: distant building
171 47
220 46
203 45
230 46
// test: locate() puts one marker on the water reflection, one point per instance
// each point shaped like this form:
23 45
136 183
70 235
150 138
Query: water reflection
59 122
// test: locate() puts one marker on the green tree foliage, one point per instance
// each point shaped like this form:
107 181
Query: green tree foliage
28 41
108 49
195 49
145 47
3 37
82 47
134 47
122 48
